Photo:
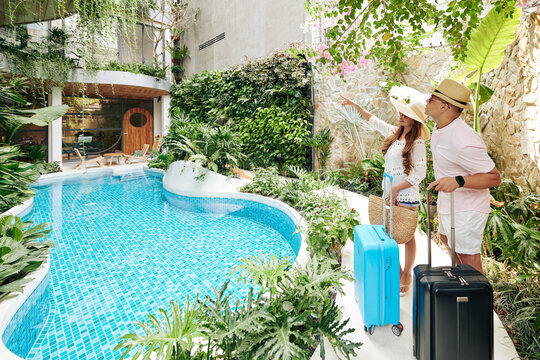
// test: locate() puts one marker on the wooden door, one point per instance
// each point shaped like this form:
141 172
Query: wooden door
138 129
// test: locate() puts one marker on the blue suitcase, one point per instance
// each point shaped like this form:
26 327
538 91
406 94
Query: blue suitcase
376 273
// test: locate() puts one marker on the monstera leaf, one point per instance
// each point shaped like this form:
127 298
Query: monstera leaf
485 50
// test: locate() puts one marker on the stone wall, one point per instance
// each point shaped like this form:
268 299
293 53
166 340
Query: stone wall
363 86
511 118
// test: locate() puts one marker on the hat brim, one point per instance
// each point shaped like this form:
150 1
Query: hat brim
405 110
449 100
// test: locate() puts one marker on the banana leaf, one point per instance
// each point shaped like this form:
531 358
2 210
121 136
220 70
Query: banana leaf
485 50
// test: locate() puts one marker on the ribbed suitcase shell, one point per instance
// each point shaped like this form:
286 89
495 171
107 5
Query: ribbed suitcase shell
376 271
452 319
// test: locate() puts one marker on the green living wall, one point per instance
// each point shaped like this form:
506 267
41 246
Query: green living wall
266 101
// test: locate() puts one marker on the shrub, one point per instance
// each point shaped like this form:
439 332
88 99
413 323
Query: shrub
15 178
512 231
287 325
517 302
20 253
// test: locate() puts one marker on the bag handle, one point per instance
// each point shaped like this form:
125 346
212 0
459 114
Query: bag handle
452 228
391 178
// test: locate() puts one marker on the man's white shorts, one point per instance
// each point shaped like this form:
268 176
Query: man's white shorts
469 227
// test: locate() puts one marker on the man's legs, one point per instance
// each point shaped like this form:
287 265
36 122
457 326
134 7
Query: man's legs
474 260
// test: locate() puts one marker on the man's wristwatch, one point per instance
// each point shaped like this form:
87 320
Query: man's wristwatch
460 180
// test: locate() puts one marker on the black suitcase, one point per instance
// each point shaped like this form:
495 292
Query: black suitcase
452 309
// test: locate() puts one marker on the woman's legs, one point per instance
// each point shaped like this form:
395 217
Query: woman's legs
405 274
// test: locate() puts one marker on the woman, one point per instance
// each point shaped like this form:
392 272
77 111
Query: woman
404 152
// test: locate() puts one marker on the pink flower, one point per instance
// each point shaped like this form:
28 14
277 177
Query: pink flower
321 47
327 55
315 26
522 3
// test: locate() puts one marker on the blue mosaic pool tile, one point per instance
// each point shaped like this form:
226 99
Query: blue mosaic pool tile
125 248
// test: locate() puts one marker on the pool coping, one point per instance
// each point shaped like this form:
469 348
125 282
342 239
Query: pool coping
11 304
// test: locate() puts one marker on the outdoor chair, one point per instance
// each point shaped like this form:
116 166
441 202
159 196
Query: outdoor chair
84 162
143 157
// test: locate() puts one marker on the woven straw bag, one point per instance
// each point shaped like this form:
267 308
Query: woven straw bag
404 219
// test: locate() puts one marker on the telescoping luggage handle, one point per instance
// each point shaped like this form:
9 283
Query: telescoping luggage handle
452 228
391 178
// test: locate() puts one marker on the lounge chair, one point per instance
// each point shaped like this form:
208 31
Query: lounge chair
84 162
143 157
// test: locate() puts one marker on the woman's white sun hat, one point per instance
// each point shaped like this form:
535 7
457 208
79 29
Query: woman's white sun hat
414 110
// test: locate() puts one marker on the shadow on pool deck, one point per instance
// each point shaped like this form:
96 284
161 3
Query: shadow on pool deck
383 344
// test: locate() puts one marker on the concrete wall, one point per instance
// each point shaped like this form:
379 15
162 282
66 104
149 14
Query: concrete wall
252 28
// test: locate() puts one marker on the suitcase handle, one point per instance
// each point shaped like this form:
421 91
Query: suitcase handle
452 228
391 178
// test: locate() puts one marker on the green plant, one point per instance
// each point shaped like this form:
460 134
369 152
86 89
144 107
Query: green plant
286 326
13 115
146 69
390 30
517 302
330 224
162 161
275 136
485 50
15 178
20 253
48 167
373 172
34 153
170 338
321 143
512 231
212 147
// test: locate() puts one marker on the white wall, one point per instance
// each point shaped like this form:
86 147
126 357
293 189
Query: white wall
252 28
55 127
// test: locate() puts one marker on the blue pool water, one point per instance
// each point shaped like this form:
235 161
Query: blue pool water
125 247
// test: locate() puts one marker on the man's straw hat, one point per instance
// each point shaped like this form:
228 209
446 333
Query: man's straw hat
454 93
414 110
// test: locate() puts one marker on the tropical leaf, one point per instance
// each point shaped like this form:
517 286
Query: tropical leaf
485 50
175 332
41 116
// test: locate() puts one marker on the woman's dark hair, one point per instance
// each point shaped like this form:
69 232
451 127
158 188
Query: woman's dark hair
409 143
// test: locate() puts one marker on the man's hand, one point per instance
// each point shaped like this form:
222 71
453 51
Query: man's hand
447 184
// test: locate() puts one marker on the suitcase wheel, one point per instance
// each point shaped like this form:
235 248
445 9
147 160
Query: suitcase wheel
371 329
397 329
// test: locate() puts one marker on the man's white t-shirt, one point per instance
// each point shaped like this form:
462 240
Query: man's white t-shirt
458 150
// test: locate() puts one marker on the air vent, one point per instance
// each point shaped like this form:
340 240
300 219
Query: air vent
212 41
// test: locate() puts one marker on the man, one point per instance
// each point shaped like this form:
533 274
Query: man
461 164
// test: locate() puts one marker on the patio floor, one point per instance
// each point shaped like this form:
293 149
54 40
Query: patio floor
383 344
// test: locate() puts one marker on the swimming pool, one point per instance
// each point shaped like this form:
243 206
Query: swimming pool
126 247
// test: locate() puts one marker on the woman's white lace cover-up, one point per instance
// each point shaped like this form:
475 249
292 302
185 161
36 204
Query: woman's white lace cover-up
393 161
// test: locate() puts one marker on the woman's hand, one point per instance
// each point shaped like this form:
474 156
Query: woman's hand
395 192
347 101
